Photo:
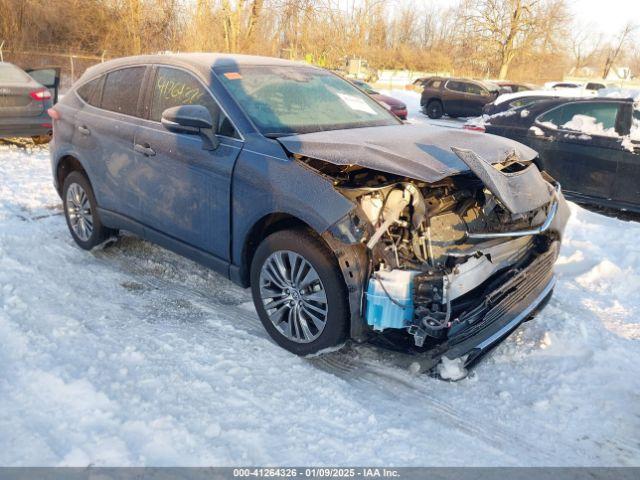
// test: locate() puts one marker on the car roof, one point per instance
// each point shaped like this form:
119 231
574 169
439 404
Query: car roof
202 62
507 97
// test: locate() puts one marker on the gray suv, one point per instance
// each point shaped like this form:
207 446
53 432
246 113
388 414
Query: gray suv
345 222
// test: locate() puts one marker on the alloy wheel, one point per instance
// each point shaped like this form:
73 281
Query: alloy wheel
79 212
293 296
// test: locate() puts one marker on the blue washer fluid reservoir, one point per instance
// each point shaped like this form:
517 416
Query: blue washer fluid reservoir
382 312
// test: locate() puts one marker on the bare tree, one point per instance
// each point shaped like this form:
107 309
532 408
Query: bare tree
613 51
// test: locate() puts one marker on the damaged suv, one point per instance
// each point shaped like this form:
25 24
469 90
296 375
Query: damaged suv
345 222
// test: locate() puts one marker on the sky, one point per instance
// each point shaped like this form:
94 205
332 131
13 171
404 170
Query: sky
607 16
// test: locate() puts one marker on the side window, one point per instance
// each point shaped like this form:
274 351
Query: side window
456 86
593 118
435 83
173 87
474 89
552 118
122 89
90 92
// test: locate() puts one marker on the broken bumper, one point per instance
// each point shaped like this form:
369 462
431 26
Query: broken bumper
514 301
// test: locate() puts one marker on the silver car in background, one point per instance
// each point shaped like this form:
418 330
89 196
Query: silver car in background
24 101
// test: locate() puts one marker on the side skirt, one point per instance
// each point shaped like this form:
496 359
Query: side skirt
117 221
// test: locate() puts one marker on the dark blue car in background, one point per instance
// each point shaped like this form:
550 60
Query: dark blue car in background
284 177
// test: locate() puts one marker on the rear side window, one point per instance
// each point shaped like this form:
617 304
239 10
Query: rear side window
435 83
122 89
90 92
552 117
173 87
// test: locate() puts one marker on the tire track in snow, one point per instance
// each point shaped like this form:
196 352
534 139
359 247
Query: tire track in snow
406 388
386 373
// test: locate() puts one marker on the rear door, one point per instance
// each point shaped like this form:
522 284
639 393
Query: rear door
20 95
104 132
579 146
48 77
187 192
454 97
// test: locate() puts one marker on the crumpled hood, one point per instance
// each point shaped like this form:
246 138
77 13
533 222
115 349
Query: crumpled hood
420 152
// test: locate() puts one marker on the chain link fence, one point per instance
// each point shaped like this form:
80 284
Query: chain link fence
72 64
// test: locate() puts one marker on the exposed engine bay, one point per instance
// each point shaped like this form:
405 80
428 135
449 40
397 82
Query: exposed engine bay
436 250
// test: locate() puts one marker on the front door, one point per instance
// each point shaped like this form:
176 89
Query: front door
476 98
627 187
187 189
454 98
580 147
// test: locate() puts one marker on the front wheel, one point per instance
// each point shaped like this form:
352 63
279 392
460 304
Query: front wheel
299 292
81 213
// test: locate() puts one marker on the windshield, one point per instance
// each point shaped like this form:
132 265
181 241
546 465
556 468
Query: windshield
288 100
12 74
366 87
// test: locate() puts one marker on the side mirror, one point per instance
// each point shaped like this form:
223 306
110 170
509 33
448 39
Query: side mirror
192 120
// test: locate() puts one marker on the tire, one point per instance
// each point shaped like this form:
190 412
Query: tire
434 109
297 325
77 195
41 139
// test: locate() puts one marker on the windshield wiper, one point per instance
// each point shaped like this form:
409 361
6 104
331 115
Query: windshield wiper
278 135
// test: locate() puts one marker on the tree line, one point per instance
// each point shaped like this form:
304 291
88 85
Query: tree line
518 39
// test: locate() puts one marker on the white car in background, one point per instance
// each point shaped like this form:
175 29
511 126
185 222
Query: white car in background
509 101
589 87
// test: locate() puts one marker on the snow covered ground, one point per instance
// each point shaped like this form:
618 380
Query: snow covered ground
132 355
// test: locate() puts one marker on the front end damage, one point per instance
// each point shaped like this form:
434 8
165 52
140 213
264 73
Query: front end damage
446 268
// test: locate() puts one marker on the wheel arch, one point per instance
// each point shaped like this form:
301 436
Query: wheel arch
265 226
353 261
66 164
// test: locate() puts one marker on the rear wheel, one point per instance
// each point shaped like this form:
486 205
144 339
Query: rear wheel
434 109
41 139
299 292
81 213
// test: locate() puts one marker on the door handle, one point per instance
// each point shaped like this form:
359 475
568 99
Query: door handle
145 149
84 130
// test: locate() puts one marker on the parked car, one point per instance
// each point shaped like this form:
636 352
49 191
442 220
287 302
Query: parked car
591 145
345 222
417 84
510 101
589 87
456 97
507 86
24 102
395 106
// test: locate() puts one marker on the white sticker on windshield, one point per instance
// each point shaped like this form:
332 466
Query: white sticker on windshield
355 103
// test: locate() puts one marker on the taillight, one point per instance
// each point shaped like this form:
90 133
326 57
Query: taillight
54 114
40 95
474 128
